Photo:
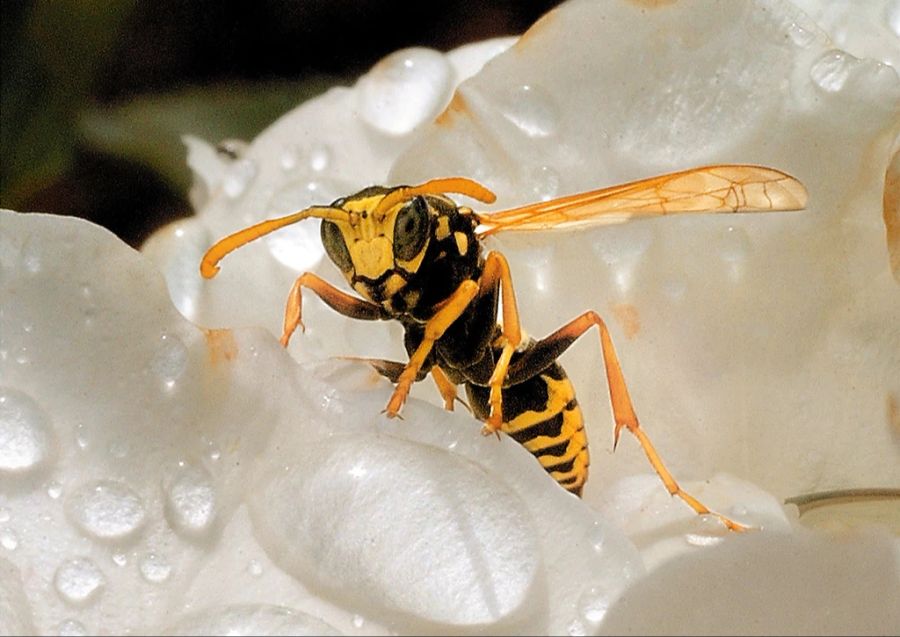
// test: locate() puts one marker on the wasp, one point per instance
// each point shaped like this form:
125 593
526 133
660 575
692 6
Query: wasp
413 255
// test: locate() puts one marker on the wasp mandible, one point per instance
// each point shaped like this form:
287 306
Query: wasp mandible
415 256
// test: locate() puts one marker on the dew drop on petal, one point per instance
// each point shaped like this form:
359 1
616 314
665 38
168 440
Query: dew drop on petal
532 111
404 89
358 621
120 559
238 177
26 435
593 604
800 36
288 159
544 183
8 539
155 569
190 500
54 490
576 628
320 158
255 568
169 361
72 628
78 581
831 70
106 510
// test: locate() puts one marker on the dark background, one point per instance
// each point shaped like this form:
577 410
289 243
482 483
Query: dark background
96 93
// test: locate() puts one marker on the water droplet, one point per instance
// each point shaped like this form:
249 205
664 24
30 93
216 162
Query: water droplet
299 246
831 70
31 257
532 111
215 454
576 628
8 539
54 490
26 436
452 445
598 538
190 500
404 90
78 581
800 36
120 559
709 532
106 509
544 183
154 569
892 14
288 159
72 628
593 603
170 360
320 158
255 568
358 621
697 539
238 177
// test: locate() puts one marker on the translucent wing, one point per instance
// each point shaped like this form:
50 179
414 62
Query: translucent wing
709 189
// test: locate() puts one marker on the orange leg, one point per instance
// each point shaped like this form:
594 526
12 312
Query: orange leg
447 388
339 301
449 311
623 410
496 271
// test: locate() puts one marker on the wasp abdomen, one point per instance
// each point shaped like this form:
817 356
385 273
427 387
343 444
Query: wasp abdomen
542 414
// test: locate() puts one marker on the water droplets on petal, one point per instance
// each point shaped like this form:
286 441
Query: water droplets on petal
190 500
78 581
532 110
106 510
26 435
404 90
155 569
831 70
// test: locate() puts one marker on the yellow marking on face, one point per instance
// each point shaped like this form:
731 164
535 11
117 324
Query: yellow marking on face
462 242
443 229
412 298
360 287
394 284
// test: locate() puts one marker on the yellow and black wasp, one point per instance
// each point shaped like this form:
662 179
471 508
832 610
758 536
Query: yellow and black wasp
415 256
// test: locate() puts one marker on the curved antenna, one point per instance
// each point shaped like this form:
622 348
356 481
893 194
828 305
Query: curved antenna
209 264
456 185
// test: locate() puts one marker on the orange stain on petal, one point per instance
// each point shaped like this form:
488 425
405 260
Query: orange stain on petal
457 106
892 213
627 316
222 346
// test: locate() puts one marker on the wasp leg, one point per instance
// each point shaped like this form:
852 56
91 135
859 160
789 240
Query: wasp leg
449 311
496 272
389 369
546 350
447 388
339 301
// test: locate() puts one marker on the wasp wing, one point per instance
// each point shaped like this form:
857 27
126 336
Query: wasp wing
709 189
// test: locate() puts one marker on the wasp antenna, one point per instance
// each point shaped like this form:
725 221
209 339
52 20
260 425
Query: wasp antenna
209 264
456 185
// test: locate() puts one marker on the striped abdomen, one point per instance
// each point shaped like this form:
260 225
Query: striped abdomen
542 414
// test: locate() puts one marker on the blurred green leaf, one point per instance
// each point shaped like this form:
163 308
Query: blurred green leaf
148 129
51 53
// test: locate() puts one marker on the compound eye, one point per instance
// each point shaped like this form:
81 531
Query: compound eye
411 229
335 246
